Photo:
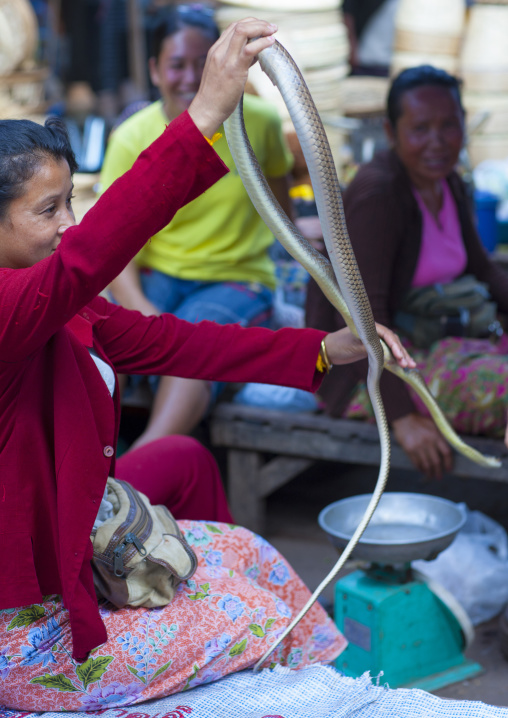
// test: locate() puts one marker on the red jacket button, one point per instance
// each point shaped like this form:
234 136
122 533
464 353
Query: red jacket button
108 451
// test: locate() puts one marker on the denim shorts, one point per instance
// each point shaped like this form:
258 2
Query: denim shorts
248 304
221 302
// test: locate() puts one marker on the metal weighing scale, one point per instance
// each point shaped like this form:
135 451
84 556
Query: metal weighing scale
395 620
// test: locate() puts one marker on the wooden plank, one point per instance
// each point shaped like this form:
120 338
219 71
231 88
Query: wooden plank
282 419
296 441
249 483
223 428
246 506
317 437
285 421
467 469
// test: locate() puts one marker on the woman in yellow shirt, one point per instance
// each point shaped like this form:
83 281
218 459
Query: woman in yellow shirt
211 262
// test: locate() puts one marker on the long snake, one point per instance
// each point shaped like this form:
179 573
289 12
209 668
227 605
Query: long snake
339 278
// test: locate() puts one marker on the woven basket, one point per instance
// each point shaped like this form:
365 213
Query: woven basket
226 14
484 59
431 17
22 93
487 147
410 41
286 5
364 95
403 60
326 91
318 42
428 32
494 103
18 34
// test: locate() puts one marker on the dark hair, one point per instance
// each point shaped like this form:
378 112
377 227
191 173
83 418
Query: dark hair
173 19
421 76
24 145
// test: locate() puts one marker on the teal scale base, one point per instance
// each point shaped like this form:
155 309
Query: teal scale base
401 629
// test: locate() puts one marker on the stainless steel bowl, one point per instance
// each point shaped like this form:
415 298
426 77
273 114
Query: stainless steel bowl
404 527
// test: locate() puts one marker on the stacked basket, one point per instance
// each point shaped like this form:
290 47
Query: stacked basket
21 83
484 70
428 32
313 33
18 34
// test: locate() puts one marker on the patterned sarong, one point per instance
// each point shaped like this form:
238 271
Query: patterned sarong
221 621
469 379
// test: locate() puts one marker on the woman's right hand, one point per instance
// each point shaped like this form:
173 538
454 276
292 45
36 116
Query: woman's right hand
423 443
225 72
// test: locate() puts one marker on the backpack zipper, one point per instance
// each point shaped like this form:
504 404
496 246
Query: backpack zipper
120 550
117 552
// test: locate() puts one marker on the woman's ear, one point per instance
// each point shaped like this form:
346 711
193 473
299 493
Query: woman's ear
154 71
389 131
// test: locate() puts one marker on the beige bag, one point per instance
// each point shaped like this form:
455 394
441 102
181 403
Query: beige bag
461 308
139 555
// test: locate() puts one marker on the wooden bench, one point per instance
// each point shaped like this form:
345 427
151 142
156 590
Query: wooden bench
266 449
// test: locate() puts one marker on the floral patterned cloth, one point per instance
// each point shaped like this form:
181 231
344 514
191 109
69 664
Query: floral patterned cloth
222 620
468 377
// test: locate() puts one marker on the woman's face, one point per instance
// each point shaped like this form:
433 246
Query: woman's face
36 221
429 133
178 69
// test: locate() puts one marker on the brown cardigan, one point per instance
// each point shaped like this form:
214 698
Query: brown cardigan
385 227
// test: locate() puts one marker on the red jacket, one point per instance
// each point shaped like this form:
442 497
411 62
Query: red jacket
59 425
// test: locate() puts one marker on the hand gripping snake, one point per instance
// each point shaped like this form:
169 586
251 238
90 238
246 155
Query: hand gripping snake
339 278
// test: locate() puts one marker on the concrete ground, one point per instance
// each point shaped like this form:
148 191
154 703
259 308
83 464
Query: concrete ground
292 527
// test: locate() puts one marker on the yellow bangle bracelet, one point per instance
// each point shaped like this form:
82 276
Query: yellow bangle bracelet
323 355
214 139
320 365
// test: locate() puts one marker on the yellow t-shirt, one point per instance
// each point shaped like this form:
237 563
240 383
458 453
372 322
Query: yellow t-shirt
219 236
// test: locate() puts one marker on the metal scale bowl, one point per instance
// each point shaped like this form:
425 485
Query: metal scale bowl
397 621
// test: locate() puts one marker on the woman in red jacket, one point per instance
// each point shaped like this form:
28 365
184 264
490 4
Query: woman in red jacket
60 348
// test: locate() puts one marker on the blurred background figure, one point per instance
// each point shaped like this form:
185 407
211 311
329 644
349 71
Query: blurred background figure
411 226
371 29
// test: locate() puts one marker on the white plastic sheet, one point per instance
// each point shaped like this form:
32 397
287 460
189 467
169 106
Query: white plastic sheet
474 569
316 691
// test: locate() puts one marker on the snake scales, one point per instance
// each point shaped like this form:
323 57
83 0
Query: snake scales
339 278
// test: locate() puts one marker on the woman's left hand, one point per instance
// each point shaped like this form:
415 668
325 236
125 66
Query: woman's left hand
343 347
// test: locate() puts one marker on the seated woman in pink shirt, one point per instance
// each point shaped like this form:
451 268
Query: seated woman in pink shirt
410 223
61 347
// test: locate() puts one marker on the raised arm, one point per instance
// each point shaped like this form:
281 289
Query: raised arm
35 302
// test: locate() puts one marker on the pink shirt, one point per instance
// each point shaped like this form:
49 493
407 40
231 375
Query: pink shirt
442 253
